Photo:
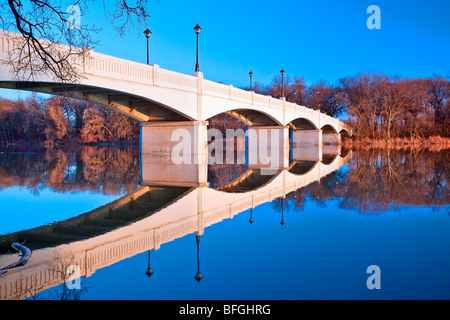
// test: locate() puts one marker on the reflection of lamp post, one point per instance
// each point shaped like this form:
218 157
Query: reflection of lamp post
149 271
251 216
282 83
198 276
197 30
282 212
148 33
251 77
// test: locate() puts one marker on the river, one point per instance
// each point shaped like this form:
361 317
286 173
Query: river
378 227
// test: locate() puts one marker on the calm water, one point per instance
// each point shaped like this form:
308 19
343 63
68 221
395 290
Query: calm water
388 209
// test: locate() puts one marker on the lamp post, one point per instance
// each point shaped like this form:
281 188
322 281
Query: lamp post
251 78
149 271
148 33
282 83
197 30
198 276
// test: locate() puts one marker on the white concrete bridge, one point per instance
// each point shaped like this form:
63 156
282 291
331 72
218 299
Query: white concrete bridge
154 95
145 220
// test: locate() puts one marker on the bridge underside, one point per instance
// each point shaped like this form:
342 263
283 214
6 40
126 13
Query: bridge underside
250 180
137 107
327 129
302 124
253 118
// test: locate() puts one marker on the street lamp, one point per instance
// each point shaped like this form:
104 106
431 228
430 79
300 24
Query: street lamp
198 275
251 76
149 271
282 83
148 33
197 30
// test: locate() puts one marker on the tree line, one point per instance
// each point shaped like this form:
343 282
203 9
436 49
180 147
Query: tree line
377 106
61 119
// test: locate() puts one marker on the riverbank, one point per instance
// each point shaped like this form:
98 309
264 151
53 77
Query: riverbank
432 143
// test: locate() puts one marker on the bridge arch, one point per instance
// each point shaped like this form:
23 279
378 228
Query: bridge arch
251 117
345 134
328 159
135 106
251 180
303 124
328 129
302 167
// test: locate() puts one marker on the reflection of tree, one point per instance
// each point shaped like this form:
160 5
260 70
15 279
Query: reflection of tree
378 181
34 288
298 198
220 175
60 267
319 191
109 170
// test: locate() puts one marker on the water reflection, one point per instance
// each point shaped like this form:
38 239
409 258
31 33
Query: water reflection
156 213
109 170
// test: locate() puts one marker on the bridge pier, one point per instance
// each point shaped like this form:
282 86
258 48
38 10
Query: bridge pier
332 149
158 170
302 138
174 153
267 147
332 138
307 153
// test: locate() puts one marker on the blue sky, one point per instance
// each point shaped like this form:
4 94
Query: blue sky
318 39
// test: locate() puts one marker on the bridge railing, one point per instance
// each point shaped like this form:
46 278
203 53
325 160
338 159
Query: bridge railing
104 65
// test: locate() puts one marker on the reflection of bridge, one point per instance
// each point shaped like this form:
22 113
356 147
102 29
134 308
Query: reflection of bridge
153 215
154 95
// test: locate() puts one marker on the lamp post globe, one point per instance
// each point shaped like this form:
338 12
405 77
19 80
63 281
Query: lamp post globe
282 83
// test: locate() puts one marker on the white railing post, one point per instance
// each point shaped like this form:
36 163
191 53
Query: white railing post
155 74
199 96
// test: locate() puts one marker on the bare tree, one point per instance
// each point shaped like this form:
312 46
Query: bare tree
47 39
324 97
